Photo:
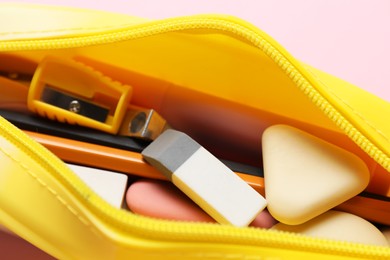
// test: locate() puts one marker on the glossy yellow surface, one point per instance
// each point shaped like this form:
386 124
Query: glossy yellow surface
219 67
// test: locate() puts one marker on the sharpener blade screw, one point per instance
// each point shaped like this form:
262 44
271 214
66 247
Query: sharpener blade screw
75 106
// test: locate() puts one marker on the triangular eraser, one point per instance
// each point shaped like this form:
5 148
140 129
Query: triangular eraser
305 176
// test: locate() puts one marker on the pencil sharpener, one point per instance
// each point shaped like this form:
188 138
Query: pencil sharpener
143 123
71 92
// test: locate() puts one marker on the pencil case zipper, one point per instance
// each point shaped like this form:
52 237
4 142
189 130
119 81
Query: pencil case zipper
180 24
174 231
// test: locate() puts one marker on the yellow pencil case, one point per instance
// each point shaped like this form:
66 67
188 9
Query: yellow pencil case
216 77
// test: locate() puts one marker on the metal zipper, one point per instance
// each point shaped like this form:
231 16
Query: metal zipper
178 231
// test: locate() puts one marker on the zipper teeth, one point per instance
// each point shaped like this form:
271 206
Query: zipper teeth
317 99
343 124
42 156
23 142
215 233
174 25
171 230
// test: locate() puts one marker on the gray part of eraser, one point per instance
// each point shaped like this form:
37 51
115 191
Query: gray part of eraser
169 151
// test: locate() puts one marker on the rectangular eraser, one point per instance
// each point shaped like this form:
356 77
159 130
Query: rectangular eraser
204 178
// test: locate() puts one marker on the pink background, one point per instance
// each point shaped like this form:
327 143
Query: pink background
347 38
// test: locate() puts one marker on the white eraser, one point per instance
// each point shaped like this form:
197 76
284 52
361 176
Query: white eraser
205 179
111 186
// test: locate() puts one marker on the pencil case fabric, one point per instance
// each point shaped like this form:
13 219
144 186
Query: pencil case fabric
176 66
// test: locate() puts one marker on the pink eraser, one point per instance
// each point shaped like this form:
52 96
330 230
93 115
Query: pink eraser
204 178
161 199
